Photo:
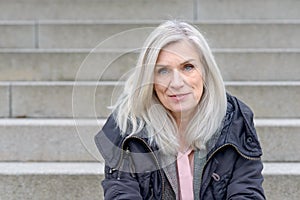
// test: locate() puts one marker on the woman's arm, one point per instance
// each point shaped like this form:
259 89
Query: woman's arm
120 185
246 182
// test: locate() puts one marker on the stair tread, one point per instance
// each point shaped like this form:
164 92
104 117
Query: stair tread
77 168
93 83
127 50
18 168
276 122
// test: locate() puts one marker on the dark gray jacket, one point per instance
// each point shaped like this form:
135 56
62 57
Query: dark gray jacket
134 169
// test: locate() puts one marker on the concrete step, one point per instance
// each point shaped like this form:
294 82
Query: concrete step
36 140
108 65
4 100
282 180
269 99
279 139
19 34
68 140
131 34
43 181
91 99
130 9
95 9
254 9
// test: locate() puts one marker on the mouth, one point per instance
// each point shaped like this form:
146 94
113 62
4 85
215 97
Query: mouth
178 97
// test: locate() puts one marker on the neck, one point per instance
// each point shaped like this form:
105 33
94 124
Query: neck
182 121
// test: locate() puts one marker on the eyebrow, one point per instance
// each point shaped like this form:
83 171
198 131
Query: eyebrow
183 63
187 61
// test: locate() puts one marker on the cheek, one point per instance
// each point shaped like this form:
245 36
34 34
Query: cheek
199 92
160 93
198 89
158 90
160 85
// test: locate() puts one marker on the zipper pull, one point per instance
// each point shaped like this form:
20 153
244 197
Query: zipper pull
111 170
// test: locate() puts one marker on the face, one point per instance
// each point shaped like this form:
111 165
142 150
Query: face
178 79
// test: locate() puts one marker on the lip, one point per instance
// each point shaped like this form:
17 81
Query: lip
178 97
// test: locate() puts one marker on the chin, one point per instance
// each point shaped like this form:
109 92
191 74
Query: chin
178 110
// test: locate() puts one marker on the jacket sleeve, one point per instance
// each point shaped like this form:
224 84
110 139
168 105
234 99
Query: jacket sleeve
246 181
120 185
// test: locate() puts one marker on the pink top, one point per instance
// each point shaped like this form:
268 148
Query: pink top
185 174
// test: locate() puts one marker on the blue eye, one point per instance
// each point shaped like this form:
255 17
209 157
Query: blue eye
163 71
188 67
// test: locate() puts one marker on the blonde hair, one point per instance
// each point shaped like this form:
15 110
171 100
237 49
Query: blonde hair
138 107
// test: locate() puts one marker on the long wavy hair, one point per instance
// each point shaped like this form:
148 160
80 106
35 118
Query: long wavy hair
138 107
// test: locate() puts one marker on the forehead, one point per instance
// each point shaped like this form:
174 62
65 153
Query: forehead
181 50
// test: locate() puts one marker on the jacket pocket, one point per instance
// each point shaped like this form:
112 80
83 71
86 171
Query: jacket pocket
219 185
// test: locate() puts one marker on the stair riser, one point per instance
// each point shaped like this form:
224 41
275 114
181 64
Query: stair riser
91 9
36 187
254 9
48 187
17 36
218 35
132 35
280 143
114 9
48 143
63 66
42 141
275 101
278 187
270 101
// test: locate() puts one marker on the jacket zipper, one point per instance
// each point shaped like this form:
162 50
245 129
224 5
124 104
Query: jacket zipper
150 151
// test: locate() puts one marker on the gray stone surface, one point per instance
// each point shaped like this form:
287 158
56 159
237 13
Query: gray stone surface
95 9
279 139
282 181
16 35
253 41
4 100
254 9
60 65
41 181
64 65
36 65
269 99
69 140
82 181
38 140
220 35
252 35
143 9
259 65
46 99
94 35
62 99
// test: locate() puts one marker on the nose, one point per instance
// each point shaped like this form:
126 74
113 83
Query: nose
176 80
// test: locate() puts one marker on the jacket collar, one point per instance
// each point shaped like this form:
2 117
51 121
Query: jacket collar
238 130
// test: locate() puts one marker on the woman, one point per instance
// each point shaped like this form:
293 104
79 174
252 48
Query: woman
174 132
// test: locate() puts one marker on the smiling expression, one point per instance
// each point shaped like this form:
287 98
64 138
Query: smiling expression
178 78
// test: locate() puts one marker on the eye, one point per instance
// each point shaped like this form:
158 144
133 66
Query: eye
188 67
163 71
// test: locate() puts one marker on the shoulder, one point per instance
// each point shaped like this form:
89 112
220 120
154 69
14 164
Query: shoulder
109 141
241 132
